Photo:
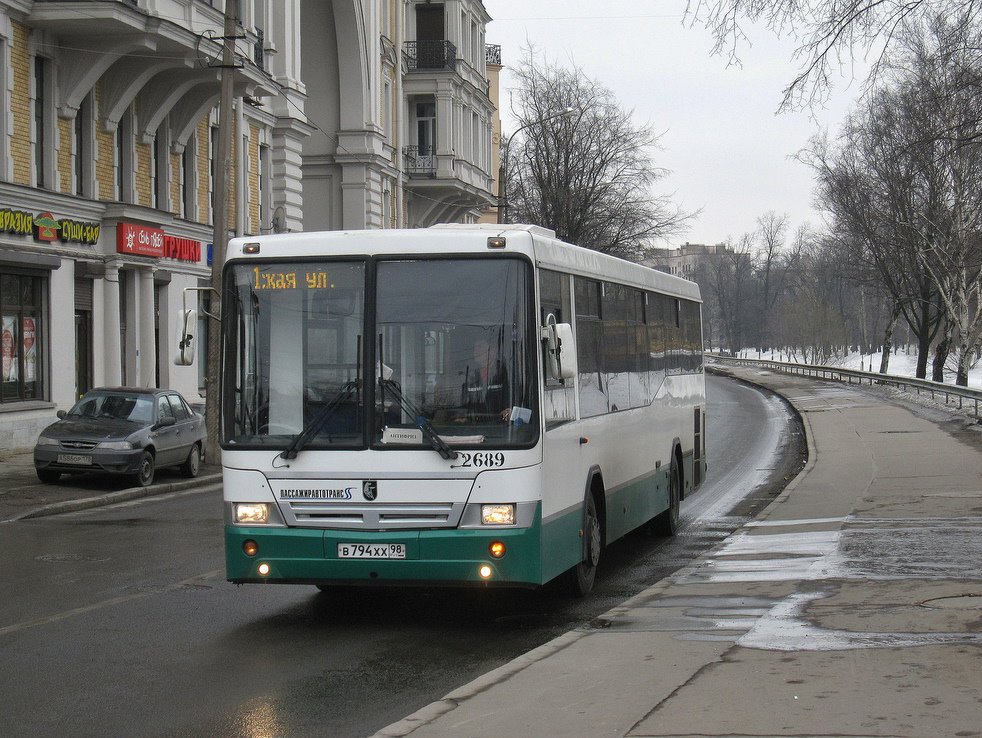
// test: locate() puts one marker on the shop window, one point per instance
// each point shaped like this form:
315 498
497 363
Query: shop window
20 337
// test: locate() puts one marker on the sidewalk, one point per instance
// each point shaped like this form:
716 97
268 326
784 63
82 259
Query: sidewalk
22 495
851 607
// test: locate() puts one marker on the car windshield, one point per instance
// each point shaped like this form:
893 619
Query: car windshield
135 407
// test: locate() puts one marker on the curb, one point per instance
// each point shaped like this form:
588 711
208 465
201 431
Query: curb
110 498
451 701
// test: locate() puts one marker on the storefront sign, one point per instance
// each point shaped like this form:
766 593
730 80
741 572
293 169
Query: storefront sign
142 240
182 249
44 227
139 239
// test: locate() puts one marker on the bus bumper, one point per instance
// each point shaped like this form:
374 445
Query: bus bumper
444 557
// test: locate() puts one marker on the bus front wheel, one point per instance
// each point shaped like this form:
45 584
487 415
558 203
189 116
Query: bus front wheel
583 575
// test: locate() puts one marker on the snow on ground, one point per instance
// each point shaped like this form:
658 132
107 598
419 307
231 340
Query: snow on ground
903 363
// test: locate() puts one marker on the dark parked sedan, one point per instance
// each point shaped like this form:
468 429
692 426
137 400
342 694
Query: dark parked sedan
122 430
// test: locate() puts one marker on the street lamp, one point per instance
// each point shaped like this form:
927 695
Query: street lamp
503 164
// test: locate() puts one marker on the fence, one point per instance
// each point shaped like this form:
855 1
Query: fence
965 398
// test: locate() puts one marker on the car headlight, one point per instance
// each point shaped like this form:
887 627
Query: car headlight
256 513
45 441
115 445
498 514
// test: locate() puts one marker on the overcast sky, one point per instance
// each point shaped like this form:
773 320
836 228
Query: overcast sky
729 151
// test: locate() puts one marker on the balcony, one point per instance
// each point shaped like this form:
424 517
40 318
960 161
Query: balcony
492 54
420 161
430 55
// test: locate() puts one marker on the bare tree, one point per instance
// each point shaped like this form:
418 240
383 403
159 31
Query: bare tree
905 181
730 287
830 33
588 176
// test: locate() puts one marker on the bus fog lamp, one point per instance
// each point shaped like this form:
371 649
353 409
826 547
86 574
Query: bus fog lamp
250 548
263 569
497 549
498 514
484 571
251 512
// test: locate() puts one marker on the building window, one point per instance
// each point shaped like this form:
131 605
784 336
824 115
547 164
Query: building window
20 337
212 158
187 204
387 110
426 127
155 171
124 158
40 120
476 157
84 159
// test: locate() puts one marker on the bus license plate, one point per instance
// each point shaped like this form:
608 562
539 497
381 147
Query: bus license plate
79 459
371 550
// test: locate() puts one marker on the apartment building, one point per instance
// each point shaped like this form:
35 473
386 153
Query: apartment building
404 138
348 114
688 261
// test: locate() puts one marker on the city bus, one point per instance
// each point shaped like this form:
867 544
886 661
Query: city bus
456 405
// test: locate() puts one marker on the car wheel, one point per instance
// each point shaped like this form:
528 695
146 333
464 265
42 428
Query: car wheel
192 464
144 475
48 476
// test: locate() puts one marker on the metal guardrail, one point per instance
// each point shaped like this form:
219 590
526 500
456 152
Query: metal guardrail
966 398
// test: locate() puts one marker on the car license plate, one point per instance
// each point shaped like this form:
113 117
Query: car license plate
371 550
78 459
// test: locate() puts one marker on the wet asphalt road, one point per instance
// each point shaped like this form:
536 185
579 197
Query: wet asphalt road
118 621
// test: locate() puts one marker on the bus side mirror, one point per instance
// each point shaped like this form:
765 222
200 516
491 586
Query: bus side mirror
184 356
560 351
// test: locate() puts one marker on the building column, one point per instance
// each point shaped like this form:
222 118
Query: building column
445 127
112 351
286 161
146 363
98 336
62 335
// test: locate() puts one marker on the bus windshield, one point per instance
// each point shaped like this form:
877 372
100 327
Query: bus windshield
453 335
293 347
448 351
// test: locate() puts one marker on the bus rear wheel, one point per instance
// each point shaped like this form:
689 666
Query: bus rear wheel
582 576
667 524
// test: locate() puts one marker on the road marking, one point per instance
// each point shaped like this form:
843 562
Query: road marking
27 624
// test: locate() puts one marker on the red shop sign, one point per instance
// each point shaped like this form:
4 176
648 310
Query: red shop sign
139 239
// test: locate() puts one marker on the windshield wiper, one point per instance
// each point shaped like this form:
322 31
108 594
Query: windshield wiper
421 421
310 430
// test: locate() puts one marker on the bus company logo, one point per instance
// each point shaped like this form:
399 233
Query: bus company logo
369 489
317 494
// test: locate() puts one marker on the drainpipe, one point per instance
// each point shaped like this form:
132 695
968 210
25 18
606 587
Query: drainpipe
401 9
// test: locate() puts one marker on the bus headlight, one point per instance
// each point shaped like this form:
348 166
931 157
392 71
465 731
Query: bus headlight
255 513
498 514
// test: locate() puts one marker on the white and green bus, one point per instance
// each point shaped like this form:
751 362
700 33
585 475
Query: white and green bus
457 405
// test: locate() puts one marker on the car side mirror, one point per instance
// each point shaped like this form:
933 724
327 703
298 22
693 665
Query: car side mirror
61 414
561 353
165 421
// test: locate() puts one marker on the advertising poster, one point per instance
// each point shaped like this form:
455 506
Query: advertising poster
30 349
8 349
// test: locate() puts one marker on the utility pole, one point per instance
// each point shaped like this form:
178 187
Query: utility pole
223 171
